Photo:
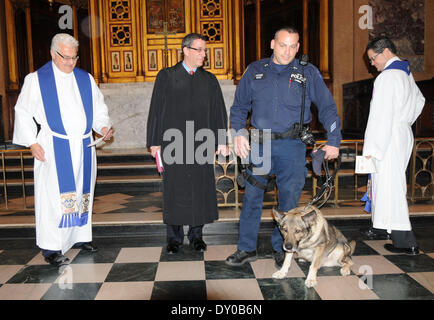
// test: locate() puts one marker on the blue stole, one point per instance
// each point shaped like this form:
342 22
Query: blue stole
71 215
400 65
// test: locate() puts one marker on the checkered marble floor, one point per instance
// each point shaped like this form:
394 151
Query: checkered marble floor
136 267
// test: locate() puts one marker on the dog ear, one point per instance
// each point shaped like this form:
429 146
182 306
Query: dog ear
278 215
309 218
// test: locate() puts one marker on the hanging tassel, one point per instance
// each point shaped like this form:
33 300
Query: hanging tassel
367 196
83 219
69 220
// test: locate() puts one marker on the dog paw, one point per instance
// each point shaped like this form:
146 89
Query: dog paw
279 274
310 283
345 271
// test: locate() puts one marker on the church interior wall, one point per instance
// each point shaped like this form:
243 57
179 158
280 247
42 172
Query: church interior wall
3 65
347 47
349 42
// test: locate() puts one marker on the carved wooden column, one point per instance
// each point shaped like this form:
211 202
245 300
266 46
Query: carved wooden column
29 39
305 43
12 45
12 89
238 16
324 39
95 32
258 29
104 51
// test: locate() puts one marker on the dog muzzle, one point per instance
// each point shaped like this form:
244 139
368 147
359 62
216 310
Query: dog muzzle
292 250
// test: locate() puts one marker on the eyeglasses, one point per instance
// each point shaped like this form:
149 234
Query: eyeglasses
197 49
375 56
66 57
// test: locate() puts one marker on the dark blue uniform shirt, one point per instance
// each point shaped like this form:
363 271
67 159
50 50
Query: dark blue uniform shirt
274 95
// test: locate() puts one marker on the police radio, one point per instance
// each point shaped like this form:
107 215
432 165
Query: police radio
304 132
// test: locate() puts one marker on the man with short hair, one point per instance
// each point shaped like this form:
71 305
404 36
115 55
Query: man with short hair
187 100
272 89
67 104
395 105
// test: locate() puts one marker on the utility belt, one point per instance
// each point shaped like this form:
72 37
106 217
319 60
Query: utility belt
245 176
258 136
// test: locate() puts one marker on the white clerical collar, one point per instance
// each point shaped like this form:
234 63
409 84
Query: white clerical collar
390 61
61 73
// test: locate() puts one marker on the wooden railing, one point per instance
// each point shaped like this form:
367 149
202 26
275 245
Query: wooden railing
420 177
20 154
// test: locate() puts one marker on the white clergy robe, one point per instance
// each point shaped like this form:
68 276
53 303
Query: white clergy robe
396 103
48 213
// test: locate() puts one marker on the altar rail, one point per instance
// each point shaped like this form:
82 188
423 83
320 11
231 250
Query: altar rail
348 186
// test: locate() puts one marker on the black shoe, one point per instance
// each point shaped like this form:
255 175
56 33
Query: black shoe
279 257
240 257
375 234
87 246
172 247
198 245
412 251
57 259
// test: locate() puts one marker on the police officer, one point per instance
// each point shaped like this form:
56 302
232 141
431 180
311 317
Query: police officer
271 89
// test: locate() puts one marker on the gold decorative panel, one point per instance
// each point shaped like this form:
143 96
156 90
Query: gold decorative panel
121 61
121 35
212 31
170 11
120 10
211 9
214 24
134 44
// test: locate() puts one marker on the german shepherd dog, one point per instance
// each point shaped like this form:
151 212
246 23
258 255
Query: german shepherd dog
308 235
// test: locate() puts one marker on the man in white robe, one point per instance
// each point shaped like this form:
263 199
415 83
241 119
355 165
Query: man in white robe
396 103
67 104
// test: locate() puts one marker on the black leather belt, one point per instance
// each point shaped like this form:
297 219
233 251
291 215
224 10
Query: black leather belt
257 135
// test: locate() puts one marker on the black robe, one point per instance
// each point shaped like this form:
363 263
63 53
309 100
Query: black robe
189 191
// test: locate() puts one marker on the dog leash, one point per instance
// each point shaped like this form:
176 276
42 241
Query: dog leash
327 185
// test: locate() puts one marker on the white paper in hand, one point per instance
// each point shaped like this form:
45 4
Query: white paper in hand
98 140
365 165
95 142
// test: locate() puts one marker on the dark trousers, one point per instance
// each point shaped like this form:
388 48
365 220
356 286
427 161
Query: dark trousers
403 239
288 163
176 233
400 239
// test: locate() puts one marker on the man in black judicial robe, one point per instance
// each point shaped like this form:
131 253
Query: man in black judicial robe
186 99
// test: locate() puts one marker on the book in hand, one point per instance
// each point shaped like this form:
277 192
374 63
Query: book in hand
160 167
365 165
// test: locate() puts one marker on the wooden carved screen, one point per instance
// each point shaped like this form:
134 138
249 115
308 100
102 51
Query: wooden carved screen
160 11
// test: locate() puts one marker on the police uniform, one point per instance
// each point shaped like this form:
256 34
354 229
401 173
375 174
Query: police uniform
274 95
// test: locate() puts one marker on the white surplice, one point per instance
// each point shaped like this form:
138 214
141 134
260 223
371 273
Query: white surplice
396 103
48 211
